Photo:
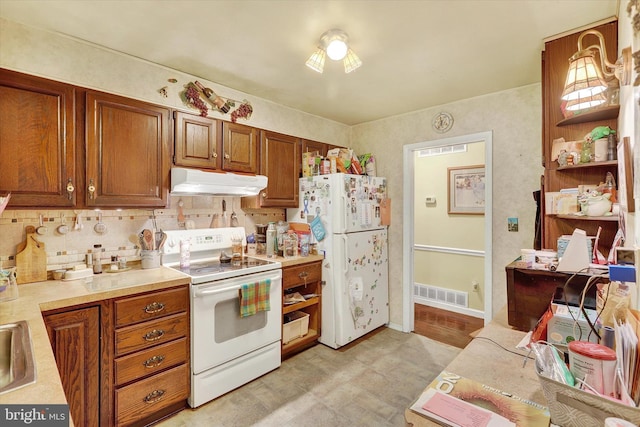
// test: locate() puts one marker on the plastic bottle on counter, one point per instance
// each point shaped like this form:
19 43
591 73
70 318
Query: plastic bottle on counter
272 240
185 253
97 263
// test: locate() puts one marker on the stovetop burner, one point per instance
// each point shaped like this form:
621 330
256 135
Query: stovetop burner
207 246
214 266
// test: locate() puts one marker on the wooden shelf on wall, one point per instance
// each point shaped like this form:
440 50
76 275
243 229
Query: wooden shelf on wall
589 165
604 113
588 218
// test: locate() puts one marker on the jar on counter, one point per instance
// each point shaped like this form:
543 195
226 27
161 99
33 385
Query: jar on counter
272 240
97 262
290 244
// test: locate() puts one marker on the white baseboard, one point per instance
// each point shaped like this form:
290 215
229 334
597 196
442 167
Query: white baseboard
449 307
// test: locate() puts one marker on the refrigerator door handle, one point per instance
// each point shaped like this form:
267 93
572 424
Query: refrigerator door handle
345 266
345 212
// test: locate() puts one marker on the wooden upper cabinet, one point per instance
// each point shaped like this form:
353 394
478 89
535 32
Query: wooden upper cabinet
37 141
197 141
128 153
279 162
240 148
308 146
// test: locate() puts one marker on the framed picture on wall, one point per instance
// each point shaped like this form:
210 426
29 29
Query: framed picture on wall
466 190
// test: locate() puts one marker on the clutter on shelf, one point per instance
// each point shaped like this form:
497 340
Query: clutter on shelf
338 160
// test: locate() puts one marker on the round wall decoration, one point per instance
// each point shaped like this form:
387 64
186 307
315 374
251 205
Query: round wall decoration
442 122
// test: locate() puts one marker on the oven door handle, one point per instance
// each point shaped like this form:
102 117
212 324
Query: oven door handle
213 291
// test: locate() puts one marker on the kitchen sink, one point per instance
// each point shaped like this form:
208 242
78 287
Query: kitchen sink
17 366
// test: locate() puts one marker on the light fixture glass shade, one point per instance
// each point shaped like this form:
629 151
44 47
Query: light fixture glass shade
585 103
584 78
351 62
316 61
336 49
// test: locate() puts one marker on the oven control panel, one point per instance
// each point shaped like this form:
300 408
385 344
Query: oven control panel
202 240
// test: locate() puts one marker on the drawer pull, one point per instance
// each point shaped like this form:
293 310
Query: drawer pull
153 362
154 307
154 396
303 274
154 335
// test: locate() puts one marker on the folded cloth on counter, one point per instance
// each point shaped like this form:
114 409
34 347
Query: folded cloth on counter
254 297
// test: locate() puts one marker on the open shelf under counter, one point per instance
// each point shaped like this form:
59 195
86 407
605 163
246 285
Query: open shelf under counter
300 343
289 308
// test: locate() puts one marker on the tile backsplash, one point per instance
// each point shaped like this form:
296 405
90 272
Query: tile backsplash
122 227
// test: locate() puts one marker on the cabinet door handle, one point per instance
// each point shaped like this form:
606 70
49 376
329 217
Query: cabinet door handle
154 335
154 362
214 155
154 396
227 157
91 188
70 189
154 307
264 194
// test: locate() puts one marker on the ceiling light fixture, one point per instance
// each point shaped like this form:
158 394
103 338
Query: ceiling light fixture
586 81
334 44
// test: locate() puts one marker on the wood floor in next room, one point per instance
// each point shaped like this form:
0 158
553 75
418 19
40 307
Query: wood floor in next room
445 326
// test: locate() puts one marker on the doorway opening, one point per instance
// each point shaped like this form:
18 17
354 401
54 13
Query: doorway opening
482 254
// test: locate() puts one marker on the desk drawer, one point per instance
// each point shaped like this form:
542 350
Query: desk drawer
147 362
151 306
151 333
301 274
143 398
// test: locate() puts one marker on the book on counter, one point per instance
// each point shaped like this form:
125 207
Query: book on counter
452 400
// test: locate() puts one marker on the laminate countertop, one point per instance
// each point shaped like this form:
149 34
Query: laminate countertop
485 361
34 298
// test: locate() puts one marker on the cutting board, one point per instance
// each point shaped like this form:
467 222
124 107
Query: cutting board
31 259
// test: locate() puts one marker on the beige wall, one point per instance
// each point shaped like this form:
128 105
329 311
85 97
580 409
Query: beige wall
434 226
514 118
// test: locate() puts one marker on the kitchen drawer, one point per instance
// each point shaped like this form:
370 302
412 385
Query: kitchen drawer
301 274
153 332
143 398
150 361
151 306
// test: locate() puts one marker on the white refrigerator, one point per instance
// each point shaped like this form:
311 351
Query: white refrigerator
344 213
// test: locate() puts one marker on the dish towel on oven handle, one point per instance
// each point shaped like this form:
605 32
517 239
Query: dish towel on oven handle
254 297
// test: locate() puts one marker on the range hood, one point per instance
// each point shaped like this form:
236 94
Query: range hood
194 181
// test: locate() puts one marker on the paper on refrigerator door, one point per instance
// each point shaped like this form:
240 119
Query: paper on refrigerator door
356 286
367 214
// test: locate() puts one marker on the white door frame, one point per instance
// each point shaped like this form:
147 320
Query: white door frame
408 221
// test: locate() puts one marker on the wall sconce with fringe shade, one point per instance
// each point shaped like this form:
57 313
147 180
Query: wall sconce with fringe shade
333 44
586 81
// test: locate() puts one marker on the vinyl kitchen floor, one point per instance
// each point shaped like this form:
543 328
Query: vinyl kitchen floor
368 383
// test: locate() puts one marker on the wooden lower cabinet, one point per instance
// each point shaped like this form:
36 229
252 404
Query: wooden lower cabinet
151 368
124 361
143 399
306 279
75 340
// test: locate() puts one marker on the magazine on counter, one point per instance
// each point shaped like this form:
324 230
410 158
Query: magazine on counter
515 410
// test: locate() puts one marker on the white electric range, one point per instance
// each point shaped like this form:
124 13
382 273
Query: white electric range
227 350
